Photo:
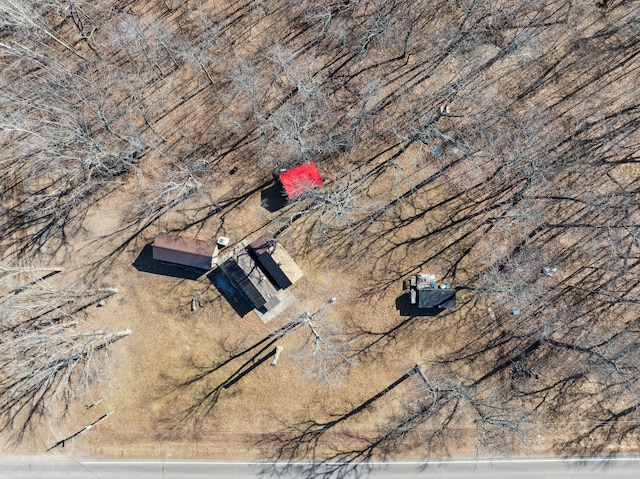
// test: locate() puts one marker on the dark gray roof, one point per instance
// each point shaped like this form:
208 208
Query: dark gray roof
277 276
262 249
431 298
240 278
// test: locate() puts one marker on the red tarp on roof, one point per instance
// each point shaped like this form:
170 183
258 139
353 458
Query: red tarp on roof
300 179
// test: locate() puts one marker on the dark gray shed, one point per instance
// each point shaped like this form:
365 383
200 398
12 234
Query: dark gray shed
185 251
432 298
244 283
262 249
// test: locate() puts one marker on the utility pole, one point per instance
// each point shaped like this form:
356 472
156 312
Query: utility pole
81 431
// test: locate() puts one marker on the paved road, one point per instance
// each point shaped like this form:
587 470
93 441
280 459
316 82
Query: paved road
59 467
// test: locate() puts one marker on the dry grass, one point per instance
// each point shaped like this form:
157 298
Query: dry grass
152 417
457 216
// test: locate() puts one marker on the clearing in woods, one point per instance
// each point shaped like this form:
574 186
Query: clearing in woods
485 142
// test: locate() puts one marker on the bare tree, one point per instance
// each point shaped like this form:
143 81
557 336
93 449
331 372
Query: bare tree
66 139
324 353
338 209
174 183
48 353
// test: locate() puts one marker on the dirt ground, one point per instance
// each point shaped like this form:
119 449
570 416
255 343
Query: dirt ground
168 342
160 376
157 384
423 201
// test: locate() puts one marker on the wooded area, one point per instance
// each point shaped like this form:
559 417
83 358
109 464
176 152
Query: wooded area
490 140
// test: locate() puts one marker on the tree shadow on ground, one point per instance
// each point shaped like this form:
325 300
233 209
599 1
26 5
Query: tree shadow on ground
146 264
207 399
380 339
368 341
301 441
204 391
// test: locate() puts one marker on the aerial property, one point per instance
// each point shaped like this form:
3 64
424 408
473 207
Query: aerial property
493 145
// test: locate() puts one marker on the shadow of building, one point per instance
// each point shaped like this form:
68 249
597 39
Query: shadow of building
273 198
236 298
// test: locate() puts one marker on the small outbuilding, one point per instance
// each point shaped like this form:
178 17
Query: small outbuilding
177 249
244 284
425 293
300 179
431 298
250 280
275 261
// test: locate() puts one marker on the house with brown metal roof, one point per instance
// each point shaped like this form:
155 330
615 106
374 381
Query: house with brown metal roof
177 249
